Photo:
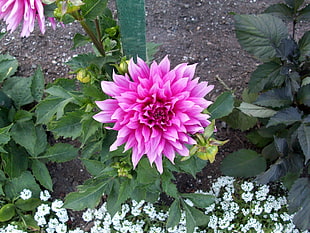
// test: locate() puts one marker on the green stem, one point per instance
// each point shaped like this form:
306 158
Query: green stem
92 36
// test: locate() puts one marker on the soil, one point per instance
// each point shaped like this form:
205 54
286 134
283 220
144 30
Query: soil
192 31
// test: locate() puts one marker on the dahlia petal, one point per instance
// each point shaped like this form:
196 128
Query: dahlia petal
146 132
135 157
183 151
109 88
169 152
119 141
159 164
190 71
179 85
120 80
164 66
103 118
108 104
202 89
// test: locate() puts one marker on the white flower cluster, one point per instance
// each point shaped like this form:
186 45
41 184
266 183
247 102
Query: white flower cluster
52 217
247 207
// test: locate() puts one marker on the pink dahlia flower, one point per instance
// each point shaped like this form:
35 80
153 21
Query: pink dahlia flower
155 110
14 11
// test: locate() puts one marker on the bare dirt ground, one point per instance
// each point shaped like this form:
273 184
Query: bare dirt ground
193 31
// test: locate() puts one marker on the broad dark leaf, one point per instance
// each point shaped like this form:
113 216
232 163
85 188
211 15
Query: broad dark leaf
299 201
303 96
293 164
260 34
266 76
288 50
295 4
8 66
303 134
304 45
275 98
287 116
304 14
280 10
243 163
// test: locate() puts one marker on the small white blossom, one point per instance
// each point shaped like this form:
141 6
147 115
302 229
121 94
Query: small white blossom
45 195
57 205
247 197
25 194
88 215
43 209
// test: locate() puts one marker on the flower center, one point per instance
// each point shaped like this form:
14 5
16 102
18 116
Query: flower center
157 113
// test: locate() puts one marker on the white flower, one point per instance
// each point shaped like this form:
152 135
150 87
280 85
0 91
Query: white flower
247 186
41 221
53 223
247 196
25 194
88 215
43 209
61 228
62 215
57 205
45 195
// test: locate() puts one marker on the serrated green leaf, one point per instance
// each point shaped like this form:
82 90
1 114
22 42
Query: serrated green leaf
25 181
305 81
168 186
299 202
30 222
94 167
90 128
145 173
131 16
80 40
303 134
249 97
239 120
42 174
58 91
19 90
287 116
8 66
243 163
303 96
260 34
32 138
60 152
48 108
37 85
5 134
304 46
191 165
22 115
222 106
304 13
280 168
68 126
199 200
88 198
15 160
280 10
266 76
295 4
93 8
256 111
28 205
174 214
275 98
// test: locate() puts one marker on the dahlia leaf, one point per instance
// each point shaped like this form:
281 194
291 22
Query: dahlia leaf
93 8
222 106
8 66
60 152
42 174
174 214
37 85
19 90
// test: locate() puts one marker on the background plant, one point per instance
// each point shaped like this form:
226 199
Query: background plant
277 103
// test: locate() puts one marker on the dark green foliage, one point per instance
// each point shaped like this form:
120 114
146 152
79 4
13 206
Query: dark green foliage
281 83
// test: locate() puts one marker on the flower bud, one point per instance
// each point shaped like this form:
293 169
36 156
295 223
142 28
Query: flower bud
83 76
